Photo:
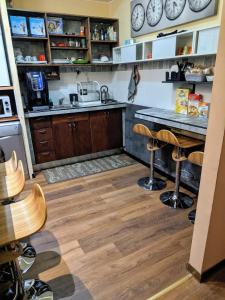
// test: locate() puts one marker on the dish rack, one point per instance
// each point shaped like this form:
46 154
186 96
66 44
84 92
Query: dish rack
88 93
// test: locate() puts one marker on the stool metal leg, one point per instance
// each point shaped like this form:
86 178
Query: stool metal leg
191 216
177 199
152 183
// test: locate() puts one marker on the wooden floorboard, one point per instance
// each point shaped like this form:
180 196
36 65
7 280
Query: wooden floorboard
105 238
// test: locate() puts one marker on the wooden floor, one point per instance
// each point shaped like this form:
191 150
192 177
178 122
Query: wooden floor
107 239
213 289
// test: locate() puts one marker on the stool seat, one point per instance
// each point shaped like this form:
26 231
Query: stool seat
180 141
176 199
9 166
144 130
150 183
195 158
23 218
11 185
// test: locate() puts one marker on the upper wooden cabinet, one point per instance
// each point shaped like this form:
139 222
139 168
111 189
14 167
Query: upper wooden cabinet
81 37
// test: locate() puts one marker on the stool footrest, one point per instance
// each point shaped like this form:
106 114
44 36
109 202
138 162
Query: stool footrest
155 184
181 201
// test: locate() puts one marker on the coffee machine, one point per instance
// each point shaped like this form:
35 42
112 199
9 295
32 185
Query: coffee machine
37 95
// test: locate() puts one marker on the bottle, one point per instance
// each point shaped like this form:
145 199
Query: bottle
102 34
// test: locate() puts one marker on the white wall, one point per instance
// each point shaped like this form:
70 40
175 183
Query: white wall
151 91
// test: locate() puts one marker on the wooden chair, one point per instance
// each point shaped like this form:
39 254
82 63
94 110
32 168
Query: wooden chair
9 166
195 158
176 199
150 183
12 184
20 220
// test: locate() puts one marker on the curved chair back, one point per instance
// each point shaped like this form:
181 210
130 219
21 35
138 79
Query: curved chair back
196 158
167 137
12 185
9 166
23 218
143 130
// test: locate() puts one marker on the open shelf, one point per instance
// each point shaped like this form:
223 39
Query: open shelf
6 88
104 42
30 38
68 36
193 83
68 48
188 82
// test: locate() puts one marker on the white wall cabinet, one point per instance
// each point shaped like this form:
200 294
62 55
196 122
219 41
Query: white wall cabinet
164 47
207 41
196 42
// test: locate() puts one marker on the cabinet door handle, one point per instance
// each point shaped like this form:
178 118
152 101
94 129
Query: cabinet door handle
74 125
46 153
42 131
70 125
40 119
44 142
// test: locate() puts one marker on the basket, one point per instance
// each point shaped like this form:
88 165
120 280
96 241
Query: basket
195 77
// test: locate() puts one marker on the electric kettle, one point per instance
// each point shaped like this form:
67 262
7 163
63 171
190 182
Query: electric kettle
104 91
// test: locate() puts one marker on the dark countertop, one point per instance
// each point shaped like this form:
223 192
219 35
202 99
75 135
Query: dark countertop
170 118
74 110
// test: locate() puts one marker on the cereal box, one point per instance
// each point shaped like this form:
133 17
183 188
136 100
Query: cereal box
182 101
203 109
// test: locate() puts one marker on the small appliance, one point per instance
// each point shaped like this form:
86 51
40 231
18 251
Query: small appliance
5 107
73 99
88 93
37 91
104 91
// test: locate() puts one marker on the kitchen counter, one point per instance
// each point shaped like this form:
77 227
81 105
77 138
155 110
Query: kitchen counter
74 110
9 119
172 119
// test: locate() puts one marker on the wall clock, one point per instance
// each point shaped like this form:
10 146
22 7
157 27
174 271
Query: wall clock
137 17
155 15
154 12
198 5
174 8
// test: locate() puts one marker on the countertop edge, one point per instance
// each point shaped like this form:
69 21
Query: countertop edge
175 124
73 110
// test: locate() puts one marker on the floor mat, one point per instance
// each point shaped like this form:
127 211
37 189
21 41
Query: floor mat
86 168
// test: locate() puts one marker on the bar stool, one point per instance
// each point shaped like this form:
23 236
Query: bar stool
150 183
195 158
12 184
177 199
12 181
20 220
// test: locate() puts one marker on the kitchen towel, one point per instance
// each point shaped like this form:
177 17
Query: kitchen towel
134 81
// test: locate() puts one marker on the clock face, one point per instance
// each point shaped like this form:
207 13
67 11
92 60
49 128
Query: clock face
154 12
137 17
198 5
174 8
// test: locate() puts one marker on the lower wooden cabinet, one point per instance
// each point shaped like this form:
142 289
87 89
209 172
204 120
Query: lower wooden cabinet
72 135
106 130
